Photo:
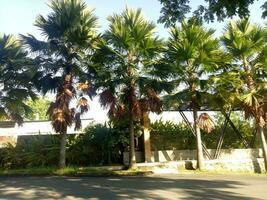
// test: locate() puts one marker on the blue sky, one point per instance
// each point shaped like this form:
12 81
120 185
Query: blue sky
18 16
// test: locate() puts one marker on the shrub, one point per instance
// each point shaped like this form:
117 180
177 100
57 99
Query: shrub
99 145
168 135
31 151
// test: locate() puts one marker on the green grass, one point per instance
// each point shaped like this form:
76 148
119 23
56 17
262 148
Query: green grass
72 171
102 171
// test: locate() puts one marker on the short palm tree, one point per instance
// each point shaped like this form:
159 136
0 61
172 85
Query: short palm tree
15 73
69 31
246 43
129 80
192 53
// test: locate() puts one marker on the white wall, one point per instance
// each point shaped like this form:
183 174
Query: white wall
38 127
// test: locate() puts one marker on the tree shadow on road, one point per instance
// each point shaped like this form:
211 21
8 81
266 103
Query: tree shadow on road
118 188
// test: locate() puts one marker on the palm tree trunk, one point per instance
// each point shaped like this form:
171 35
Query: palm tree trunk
132 161
250 81
264 147
62 153
200 158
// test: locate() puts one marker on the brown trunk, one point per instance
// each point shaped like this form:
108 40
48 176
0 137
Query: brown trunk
132 161
132 158
147 146
250 81
200 158
250 84
264 147
62 152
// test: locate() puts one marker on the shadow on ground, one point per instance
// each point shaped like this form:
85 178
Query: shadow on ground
120 188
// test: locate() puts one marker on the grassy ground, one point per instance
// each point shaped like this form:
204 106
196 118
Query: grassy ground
100 171
72 171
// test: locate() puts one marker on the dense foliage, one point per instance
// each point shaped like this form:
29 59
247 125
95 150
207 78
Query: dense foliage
174 11
98 145
16 73
39 108
168 135
104 144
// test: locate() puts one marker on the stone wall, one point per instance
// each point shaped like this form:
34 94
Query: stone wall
176 155
239 160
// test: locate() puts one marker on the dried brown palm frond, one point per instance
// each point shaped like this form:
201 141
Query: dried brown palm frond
63 97
136 108
120 111
107 98
154 102
77 121
144 105
83 86
61 117
83 104
262 115
50 110
112 110
116 111
205 122
68 78
253 107
60 120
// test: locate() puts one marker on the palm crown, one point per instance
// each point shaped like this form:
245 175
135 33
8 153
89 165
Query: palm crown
15 73
129 55
70 32
63 62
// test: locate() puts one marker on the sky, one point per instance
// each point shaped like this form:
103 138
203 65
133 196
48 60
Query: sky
18 16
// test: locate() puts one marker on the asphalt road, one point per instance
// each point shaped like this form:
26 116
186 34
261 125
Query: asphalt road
193 187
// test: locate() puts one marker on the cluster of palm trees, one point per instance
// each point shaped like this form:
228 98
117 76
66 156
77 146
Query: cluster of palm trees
134 71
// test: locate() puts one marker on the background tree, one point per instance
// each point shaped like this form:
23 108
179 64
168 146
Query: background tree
129 81
174 11
70 34
15 73
192 53
247 44
39 108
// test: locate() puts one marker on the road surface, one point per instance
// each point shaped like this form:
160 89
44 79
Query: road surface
193 187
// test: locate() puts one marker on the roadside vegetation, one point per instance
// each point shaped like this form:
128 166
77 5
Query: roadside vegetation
134 72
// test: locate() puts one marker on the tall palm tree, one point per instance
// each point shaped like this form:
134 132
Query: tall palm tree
246 43
192 53
129 79
69 32
15 73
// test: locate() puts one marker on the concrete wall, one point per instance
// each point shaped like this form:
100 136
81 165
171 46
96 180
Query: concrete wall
177 155
10 134
235 160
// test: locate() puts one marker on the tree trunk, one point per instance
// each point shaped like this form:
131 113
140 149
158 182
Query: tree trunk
200 158
62 153
250 81
264 147
146 133
132 159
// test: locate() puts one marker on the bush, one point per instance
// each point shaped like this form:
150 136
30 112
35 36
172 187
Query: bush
104 144
98 145
168 135
31 151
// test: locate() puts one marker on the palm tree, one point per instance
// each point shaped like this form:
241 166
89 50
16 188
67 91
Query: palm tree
192 53
69 31
246 43
129 80
15 73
